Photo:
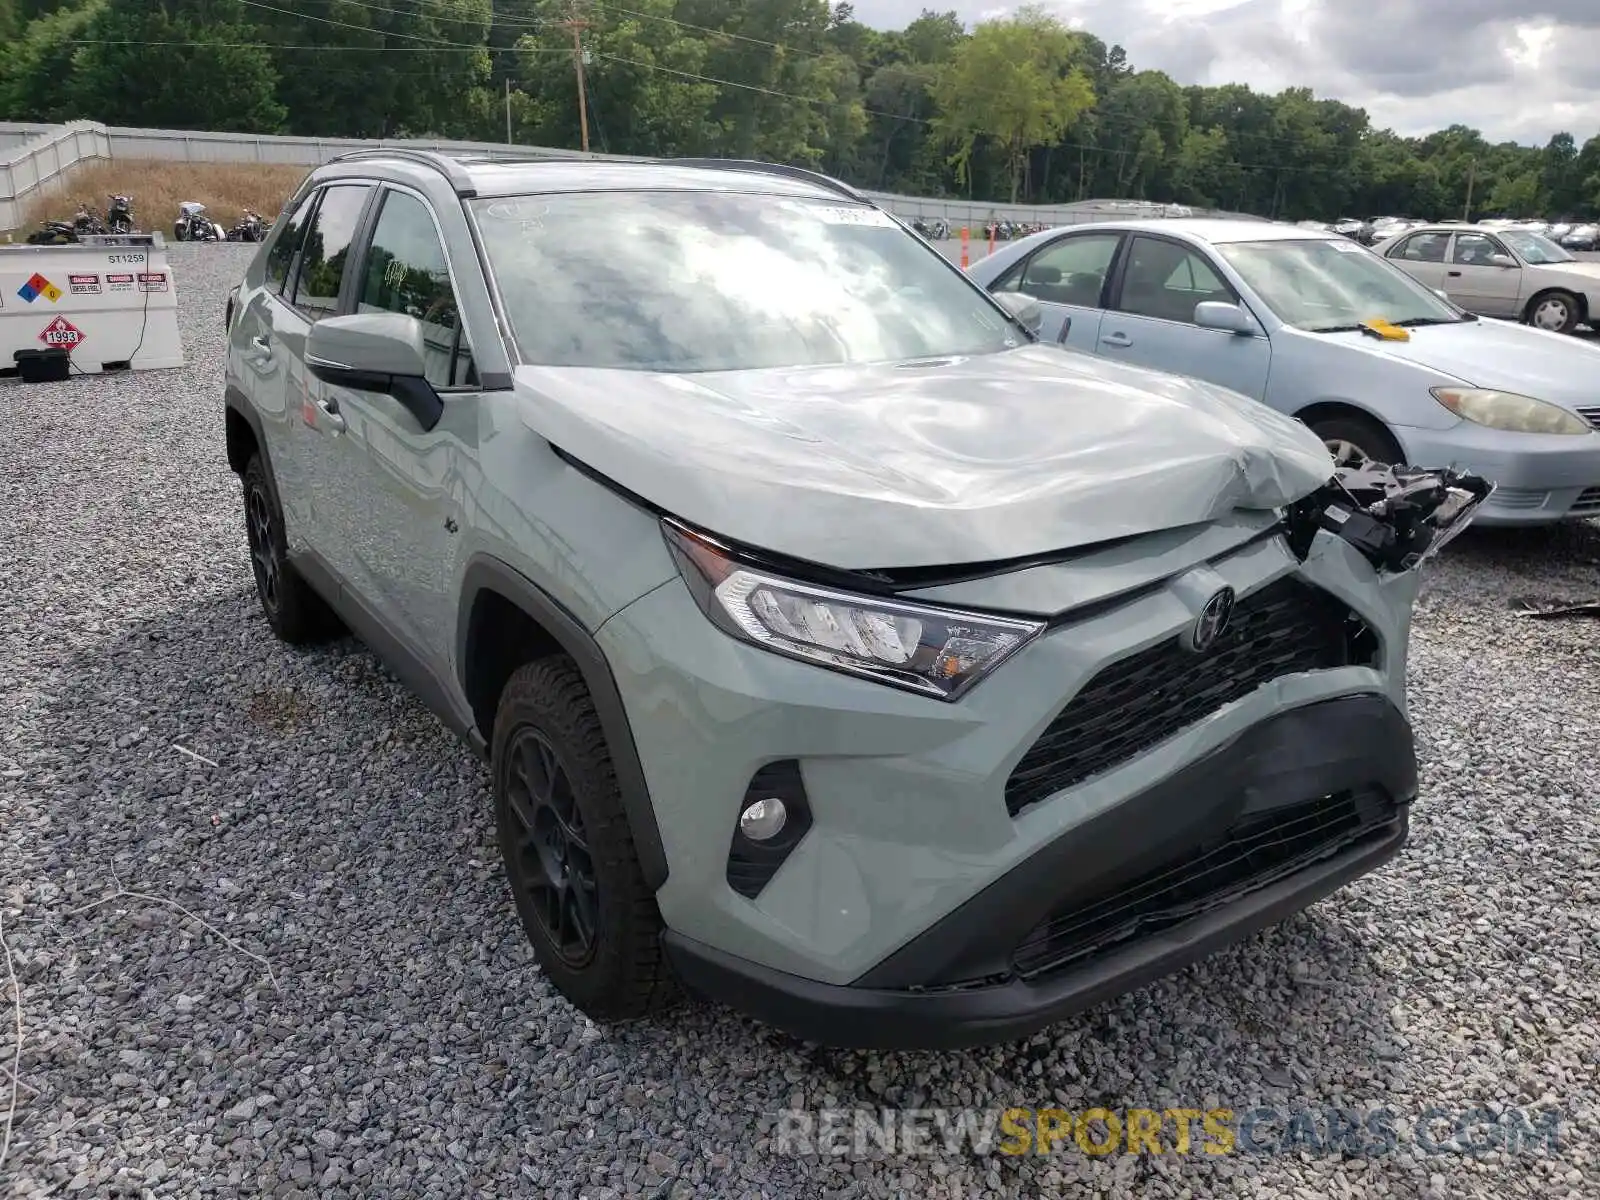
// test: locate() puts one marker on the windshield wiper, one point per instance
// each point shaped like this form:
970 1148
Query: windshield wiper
1413 322
1333 329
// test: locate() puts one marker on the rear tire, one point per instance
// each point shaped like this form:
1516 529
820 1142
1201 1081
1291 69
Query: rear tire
295 612
1557 312
1353 439
568 849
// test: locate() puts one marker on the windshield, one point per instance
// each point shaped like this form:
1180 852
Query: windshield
1326 285
1535 249
721 281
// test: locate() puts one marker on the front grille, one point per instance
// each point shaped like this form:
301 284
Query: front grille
1591 415
1133 704
1258 850
1588 501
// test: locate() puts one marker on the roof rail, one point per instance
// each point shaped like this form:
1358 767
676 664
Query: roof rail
750 164
449 167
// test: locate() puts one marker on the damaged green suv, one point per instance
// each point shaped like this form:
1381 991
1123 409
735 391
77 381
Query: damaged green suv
838 649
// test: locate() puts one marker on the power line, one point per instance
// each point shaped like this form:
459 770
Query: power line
289 12
422 49
434 14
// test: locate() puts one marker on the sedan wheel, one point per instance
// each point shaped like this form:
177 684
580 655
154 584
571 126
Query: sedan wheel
1556 312
1346 453
1354 439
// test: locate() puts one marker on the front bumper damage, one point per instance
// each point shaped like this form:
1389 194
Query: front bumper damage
1398 517
922 909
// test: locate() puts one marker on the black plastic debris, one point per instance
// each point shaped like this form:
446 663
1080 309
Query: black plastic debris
1398 517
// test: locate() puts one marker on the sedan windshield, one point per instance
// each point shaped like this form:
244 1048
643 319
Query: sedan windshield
718 281
1535 249
1323 286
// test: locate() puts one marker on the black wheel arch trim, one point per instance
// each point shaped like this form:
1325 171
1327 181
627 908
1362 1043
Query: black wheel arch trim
234 399
487 573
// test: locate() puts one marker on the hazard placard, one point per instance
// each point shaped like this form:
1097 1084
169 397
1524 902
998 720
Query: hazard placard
61 332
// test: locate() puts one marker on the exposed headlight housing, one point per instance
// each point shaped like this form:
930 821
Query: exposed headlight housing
1508 411
938 652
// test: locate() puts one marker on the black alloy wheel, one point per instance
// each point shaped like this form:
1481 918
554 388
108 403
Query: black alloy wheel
551 866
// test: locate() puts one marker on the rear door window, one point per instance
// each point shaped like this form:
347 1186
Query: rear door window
1070 271
327 249
1422 247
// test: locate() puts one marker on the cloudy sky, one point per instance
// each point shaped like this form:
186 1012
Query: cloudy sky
1516 69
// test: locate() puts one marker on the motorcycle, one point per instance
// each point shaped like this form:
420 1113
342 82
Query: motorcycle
86 220
248 228
119 217
193 225
53 233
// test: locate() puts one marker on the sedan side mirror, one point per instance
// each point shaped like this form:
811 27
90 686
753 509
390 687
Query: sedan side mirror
1024 308
376 352
1230 318
1502 260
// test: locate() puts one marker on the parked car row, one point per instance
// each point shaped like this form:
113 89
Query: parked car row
1572 235
839 645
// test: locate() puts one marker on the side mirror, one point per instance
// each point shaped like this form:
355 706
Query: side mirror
1230 318
376 352
1502 260
1024 308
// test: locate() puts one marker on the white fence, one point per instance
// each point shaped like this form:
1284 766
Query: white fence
35 156
40 160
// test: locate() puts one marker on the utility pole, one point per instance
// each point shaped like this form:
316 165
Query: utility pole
1472 168
508 110
577 24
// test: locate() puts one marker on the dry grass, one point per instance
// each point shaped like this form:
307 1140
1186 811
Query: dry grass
157 188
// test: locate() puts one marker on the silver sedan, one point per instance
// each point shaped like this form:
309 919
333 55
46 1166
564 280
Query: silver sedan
1511 273
1318 327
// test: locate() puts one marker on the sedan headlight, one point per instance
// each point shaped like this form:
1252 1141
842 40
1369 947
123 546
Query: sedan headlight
937 652
1509 411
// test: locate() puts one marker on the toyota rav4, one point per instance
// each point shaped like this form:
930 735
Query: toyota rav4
837 649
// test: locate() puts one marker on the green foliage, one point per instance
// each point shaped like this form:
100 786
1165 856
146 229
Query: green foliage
1015 81
1021 108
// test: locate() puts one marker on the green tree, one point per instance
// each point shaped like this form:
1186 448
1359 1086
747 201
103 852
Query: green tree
1015 81
205 73
38 79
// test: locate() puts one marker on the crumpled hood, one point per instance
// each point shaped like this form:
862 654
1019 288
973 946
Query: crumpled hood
948 462
1497 354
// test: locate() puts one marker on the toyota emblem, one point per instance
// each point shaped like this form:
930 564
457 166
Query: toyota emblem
1212 622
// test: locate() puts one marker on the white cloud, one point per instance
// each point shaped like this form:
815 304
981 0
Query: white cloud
1516 69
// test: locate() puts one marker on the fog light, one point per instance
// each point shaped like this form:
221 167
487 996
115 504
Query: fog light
763 820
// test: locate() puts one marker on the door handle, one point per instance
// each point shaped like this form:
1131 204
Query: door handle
330 419
261 344
1453 274
1066 328
1116 339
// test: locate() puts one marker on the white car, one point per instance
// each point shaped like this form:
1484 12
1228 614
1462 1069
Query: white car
1504 272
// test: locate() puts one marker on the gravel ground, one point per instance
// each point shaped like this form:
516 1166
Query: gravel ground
281 961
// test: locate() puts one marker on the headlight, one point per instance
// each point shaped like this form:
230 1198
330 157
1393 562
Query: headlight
938 652
1508 411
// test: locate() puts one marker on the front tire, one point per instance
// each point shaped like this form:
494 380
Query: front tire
295 612
1556 312
1353 439
568 849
